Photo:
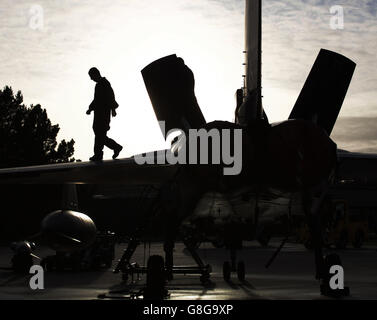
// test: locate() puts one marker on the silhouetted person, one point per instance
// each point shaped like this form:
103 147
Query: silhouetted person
104 106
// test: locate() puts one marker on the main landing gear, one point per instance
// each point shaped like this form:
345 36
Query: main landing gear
329 261
323 263
156 279
130 269
229 267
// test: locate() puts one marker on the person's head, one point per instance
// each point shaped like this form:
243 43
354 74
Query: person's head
94 74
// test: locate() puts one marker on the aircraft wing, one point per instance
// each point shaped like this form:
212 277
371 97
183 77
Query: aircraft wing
342 155
122 171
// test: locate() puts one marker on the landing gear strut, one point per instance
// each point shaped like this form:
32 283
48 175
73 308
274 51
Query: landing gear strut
229 267
128 268
233 243
332 260
322 263
156 279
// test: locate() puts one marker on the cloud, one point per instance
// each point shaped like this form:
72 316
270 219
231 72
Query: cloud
295 31
50 66
358 134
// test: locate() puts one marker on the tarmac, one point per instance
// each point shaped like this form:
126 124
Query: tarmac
290 277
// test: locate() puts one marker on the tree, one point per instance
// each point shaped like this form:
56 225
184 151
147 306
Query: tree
27 136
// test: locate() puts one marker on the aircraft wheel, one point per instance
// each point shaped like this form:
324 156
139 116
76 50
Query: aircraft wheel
204 279
241 271
331 260
156 278
226 270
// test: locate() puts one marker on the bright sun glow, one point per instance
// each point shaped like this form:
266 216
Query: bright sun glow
121 37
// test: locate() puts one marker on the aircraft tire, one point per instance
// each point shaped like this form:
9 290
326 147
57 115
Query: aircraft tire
226 271
156 278
241 271
204 279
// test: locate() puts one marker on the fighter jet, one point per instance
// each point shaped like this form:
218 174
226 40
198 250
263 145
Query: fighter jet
295 156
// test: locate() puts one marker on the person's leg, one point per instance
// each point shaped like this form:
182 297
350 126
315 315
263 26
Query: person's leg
111 144
99 142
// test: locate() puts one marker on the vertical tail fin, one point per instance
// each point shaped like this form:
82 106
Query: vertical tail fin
322 96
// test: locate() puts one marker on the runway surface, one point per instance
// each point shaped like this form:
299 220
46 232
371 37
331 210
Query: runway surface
291 276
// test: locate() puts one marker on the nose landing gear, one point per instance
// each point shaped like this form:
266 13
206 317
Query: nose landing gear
229 267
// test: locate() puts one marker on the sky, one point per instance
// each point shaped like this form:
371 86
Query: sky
47 48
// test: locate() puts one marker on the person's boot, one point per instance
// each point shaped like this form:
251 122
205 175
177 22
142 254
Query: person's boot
96 157
117 151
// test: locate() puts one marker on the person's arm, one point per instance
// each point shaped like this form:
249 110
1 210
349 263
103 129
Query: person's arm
112 101
92 106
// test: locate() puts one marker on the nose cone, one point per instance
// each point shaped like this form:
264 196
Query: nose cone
68 231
